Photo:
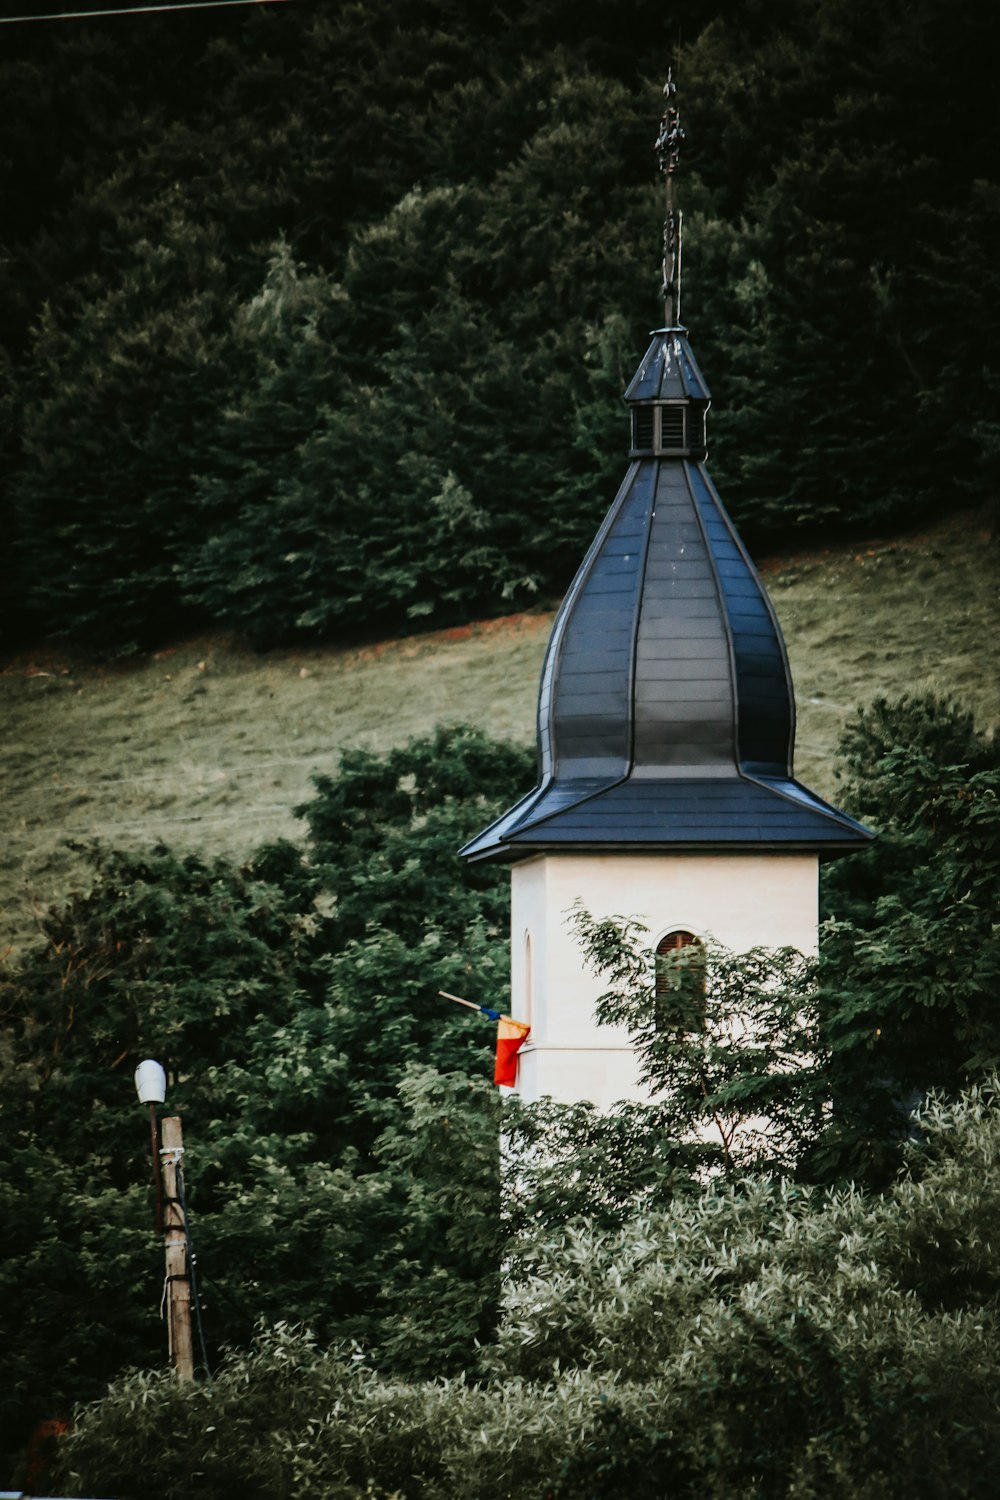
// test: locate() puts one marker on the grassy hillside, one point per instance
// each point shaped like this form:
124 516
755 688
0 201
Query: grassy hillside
208 747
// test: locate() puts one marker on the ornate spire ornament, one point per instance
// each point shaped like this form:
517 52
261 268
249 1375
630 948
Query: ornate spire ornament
668 150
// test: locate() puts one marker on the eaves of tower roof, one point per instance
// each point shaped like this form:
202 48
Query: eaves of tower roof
680 814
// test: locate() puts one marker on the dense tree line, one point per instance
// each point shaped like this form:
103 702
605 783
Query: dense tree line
318 317
342 1132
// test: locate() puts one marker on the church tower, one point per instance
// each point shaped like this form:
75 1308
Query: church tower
666 727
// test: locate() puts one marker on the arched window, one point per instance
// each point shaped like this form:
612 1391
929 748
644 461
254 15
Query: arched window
529 982
680 982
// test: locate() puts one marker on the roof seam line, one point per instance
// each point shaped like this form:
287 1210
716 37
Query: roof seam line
727 624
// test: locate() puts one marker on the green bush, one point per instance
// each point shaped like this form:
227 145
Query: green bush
340 1119
910 945
760 1339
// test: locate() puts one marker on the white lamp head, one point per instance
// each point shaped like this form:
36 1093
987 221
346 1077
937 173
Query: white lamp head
150 1082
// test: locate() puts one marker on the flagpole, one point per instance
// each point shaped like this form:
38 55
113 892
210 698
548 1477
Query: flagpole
485 1009
458 1000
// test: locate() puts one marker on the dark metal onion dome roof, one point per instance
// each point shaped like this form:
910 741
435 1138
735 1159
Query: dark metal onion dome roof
666 715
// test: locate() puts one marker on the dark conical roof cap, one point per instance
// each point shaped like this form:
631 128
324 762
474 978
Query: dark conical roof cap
666 715
669 371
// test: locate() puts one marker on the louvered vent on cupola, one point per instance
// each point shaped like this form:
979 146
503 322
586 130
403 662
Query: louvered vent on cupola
644 427
671 429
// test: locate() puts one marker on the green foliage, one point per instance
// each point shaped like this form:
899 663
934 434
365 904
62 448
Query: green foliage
911 949
732 1053
339 1117
759 1339
759 1060
444 1146
403 494
563 1163
738 1334
406 434
320 319
730 1045
385 831
840 273
119 401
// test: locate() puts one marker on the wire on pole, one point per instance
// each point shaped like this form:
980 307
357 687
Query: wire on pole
130 10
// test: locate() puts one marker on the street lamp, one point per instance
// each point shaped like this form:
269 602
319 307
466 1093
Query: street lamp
151 1086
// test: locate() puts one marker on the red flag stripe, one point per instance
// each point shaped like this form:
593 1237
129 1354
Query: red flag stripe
511 1037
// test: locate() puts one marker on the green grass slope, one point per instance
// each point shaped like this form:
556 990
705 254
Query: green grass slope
208 747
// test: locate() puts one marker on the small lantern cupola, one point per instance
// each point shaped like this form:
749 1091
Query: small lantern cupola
668 394
666 726
668 399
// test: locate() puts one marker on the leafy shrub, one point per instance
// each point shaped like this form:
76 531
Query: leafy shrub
911 949
729 1044
340 1118
760 1339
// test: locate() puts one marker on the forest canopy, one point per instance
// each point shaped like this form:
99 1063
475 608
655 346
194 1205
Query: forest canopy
318 318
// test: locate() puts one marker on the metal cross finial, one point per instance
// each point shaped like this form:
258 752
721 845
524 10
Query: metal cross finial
668 149
668 142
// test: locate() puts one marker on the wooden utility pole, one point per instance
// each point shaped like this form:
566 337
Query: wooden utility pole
178 1283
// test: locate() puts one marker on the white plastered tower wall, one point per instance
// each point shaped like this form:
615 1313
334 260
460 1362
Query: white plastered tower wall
742 900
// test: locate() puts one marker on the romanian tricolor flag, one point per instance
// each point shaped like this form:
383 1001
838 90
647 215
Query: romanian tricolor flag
511 1037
